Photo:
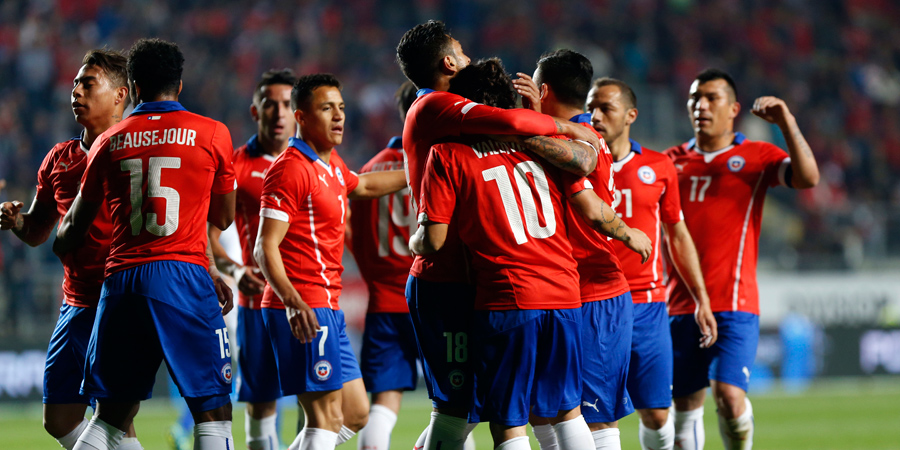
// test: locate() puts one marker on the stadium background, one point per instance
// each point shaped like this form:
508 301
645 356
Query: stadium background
828 256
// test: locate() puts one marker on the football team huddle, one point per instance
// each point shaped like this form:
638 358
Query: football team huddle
515 241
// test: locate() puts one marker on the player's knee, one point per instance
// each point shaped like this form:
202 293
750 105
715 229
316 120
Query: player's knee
59 426
730 403
655 418
356 419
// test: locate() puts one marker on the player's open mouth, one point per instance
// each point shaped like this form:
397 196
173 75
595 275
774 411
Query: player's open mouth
337 130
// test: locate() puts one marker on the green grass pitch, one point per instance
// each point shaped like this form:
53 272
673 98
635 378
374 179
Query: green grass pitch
856 414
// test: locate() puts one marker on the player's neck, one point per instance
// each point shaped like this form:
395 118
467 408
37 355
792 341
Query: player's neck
271 146
92 131
442 84
324 155
559 110
621 147
709 144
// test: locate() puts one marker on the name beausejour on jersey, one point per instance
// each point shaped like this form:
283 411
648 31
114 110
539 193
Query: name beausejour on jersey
179 136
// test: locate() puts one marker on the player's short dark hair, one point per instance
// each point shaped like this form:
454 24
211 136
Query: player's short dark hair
421 50
485 82
624 88
113 64
273 76
405 97
569 74
156 66
718 74
302 91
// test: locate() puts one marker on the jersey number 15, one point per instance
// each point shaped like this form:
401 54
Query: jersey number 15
154 190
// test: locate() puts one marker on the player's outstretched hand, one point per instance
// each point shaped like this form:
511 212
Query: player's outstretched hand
248 280
9 214
708 326
771 109
224 294
640 243
529 90
303 321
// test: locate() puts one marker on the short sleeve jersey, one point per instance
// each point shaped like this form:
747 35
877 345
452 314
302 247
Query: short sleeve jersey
722 194
157 170
601 273
250 167
437 115
381 230
510 209
59 179
646 195
310 195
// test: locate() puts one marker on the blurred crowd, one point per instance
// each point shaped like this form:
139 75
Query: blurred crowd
835 62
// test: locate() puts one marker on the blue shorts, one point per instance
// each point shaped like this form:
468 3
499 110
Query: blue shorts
650 371
606 340
257 378
525 361
65 356
389 353
322 365
441 314
729 360
159 310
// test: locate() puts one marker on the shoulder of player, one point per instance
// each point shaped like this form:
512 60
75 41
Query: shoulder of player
388 155
759 147
676 151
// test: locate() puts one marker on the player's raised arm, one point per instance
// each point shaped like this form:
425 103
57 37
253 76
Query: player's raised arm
75 225
301 317
602 218
687 263
376 184
805 171
32 227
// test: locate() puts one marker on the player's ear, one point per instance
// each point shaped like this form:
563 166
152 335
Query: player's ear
180 85
631 115
254 112
298 116
121 94
735 109
545 89
448 65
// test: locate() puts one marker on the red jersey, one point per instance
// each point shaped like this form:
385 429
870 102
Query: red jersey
722 195
520 253
58 181
309 194
646 193
156 169
381 230
437 115
598 266
250 167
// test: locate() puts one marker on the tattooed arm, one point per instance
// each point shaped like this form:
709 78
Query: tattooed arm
599 216
805 171
578 157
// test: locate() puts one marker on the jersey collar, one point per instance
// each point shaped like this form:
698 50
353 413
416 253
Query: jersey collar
581 118
304 148
80 139
739 139
396 143
422 92
253 145
158 107
635 147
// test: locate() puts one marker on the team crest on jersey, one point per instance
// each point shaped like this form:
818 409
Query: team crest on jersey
647 175
736 163
226 372
457 379
340 175
323 370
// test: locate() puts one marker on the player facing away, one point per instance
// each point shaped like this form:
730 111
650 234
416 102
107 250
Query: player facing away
382 228
723 179
164 172
562 79
437 290
299 247
257 377
99 99
647 197
525 331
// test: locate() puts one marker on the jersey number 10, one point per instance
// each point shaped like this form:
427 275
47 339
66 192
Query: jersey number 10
508 197
154 189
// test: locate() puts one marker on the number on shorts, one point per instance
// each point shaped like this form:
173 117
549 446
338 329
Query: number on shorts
324 330
224 348
457 346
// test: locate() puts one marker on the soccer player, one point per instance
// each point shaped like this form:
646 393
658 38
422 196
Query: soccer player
257 380
723 179
438 293
99 99
299 247
646 197
164 172
380 245
564 78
